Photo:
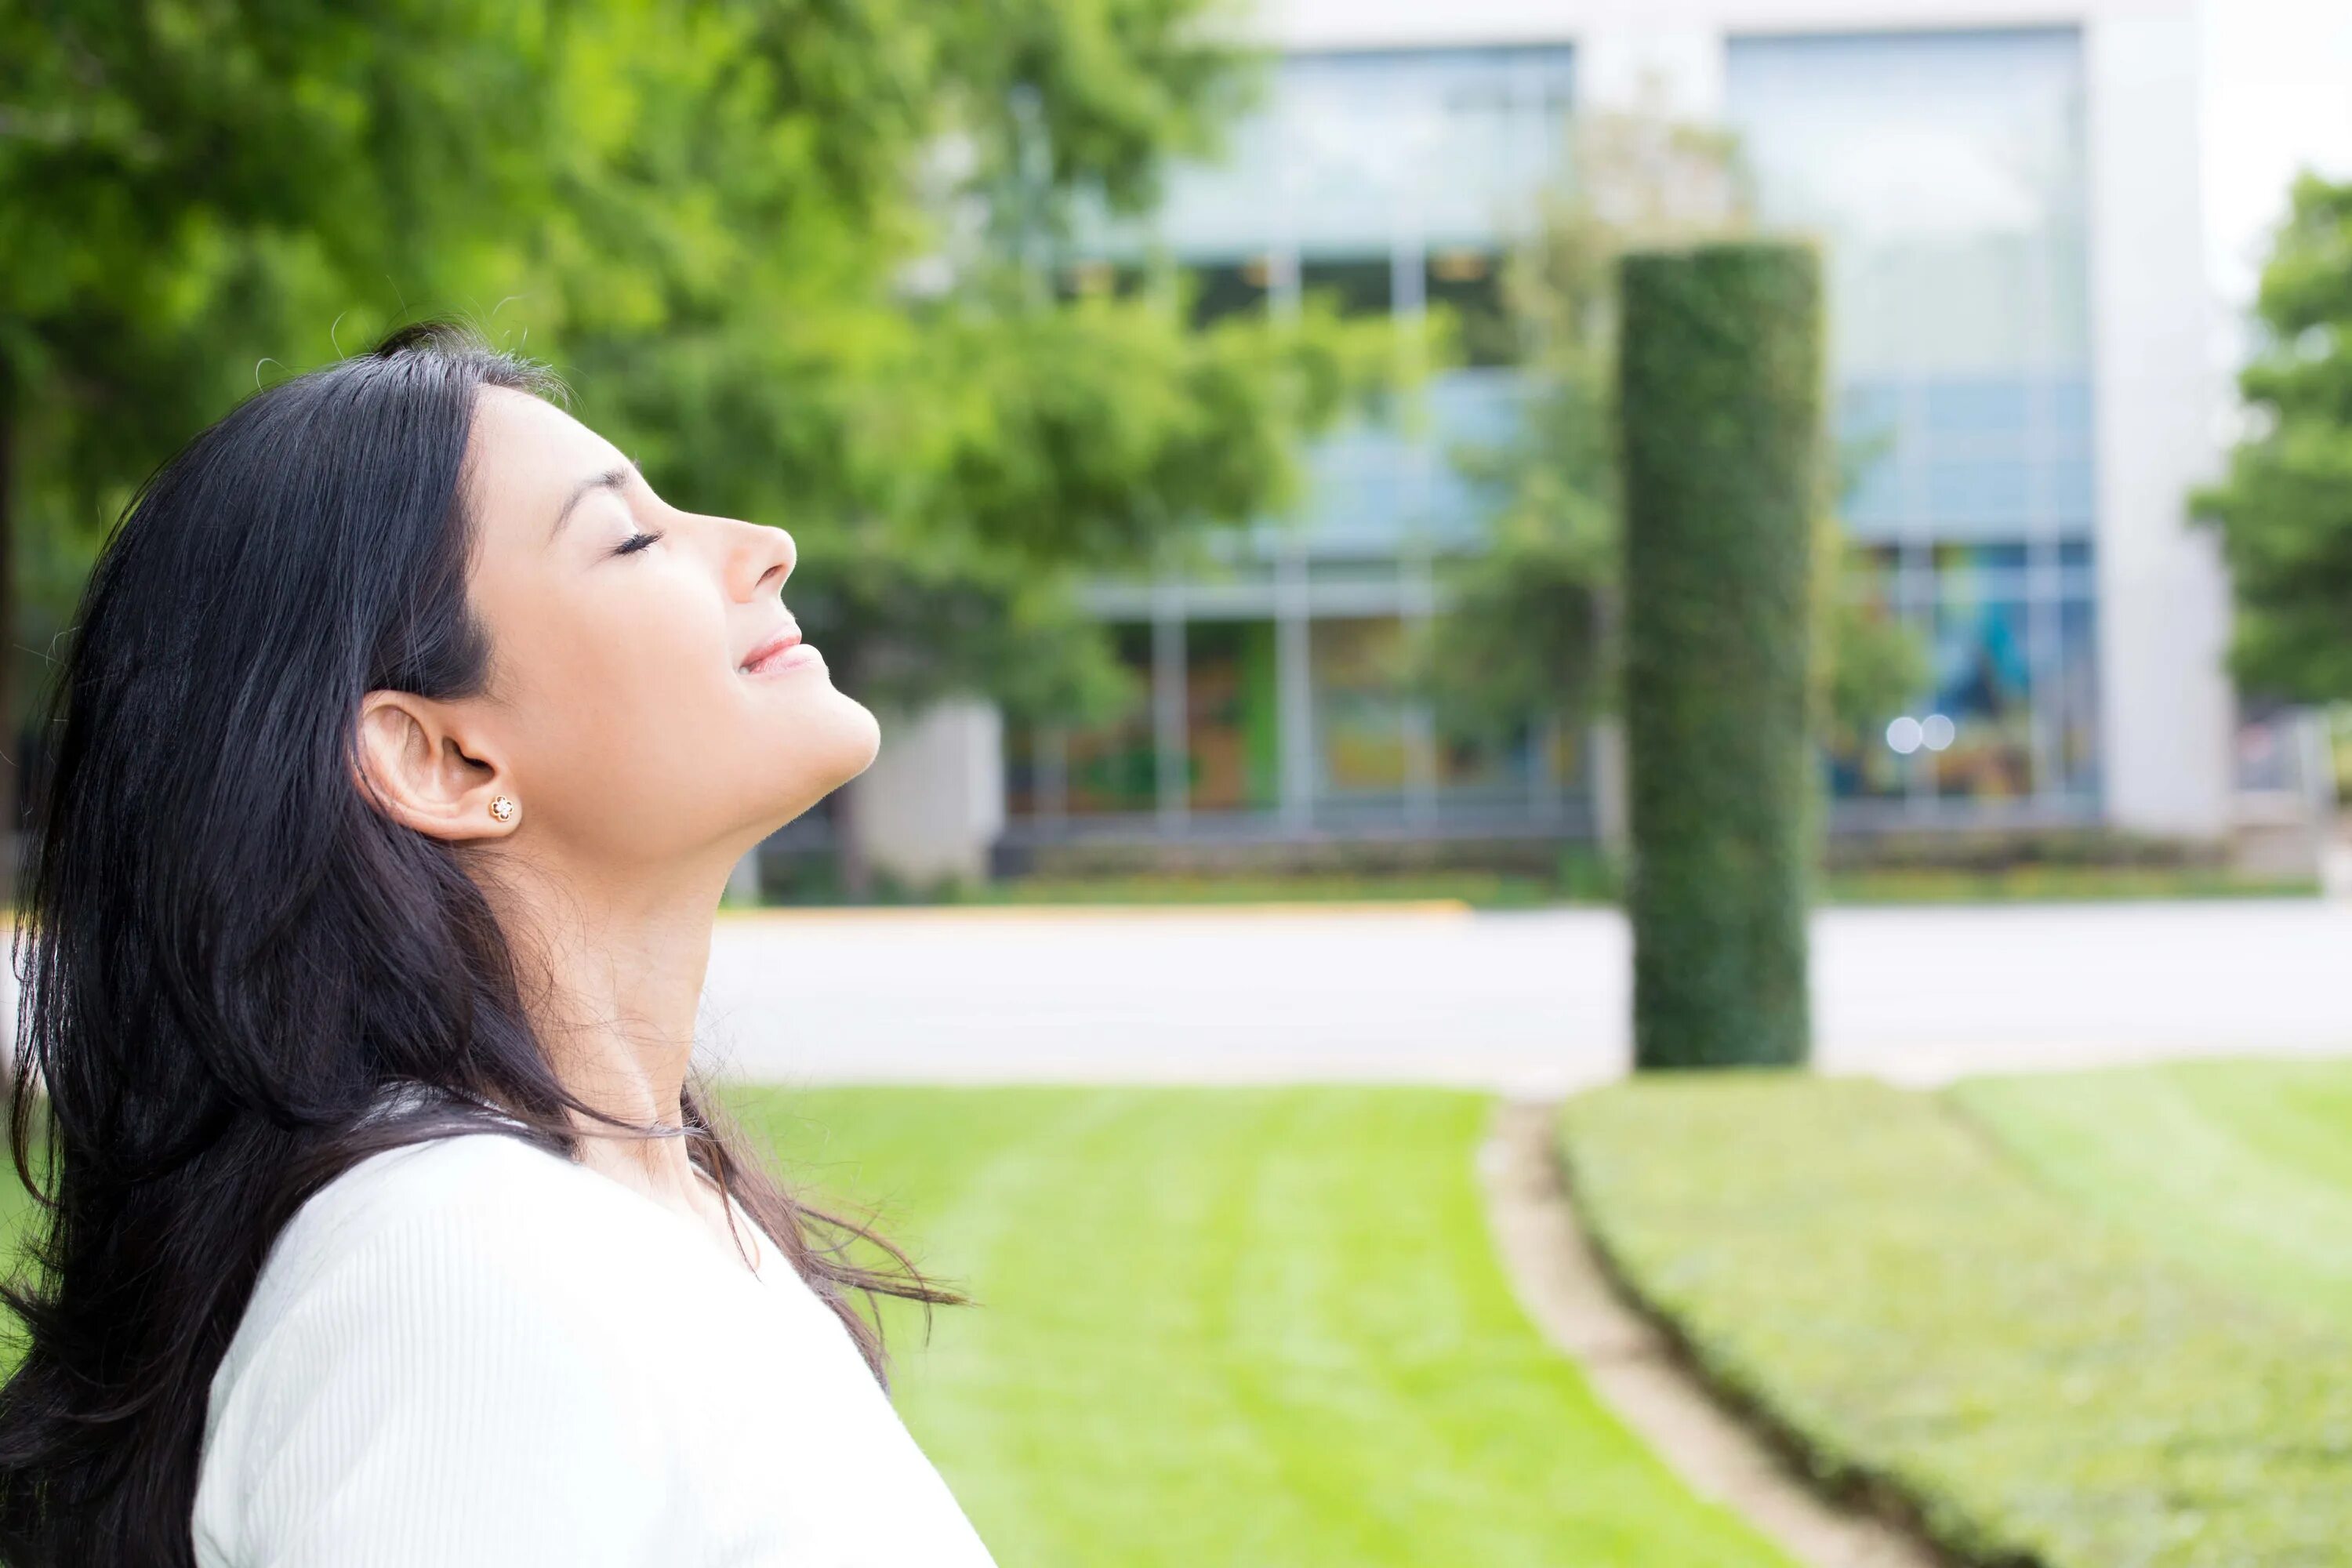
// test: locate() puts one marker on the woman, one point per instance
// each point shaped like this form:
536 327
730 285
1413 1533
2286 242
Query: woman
408 741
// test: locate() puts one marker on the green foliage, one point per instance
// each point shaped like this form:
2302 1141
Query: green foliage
1927 1321
2056 884
1522 630
2285 508
1867 662
2242 1169
1531 625
1720 392
187 188
2339 747
1044 442
788 252
1233 1326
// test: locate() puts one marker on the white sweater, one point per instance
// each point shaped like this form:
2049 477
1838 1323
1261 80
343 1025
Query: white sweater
473 1351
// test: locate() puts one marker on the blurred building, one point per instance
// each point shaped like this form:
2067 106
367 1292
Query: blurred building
2007 191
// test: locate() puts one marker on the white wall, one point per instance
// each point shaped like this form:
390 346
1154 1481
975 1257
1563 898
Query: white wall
933 802
2168 716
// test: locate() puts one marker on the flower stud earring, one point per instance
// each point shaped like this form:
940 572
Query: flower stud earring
501 808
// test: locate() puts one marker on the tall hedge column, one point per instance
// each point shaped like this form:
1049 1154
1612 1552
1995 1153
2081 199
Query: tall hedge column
1719 392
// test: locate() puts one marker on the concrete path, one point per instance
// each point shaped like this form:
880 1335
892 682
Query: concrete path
1531 1002
1560 1281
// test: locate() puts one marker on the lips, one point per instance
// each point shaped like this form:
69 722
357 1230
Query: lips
782 651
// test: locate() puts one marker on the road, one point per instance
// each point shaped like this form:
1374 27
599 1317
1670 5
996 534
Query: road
1529 1001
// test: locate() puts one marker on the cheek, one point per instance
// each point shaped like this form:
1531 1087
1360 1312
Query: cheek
609 686
638 723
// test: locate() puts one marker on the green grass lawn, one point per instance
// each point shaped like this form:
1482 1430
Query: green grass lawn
1262 1329
1228 1329
2242 1169
2055 885
2058 1314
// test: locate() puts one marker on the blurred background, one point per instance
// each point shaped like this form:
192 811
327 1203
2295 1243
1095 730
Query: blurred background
1198 420
2037 322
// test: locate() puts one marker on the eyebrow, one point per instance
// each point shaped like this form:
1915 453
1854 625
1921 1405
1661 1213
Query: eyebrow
613 478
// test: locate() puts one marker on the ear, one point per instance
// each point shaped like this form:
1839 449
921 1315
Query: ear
421 765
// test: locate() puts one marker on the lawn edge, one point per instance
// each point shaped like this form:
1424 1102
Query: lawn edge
1837 1478
1643 1371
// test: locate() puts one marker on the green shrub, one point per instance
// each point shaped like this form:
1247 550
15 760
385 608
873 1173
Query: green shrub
1719 391
1928 1323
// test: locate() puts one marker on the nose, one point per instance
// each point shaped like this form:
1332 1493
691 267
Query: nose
761 558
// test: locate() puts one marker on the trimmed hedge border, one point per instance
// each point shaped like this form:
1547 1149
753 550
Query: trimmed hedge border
1720 393
1931 1332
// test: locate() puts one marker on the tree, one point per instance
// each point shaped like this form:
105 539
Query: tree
790 251
887 368
1532 625
1720 391
182 186
2284 507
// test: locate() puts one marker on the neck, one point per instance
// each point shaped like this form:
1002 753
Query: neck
612 973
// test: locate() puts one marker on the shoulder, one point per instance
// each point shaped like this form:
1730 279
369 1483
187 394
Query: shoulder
441 1321
461 1239
471 1173
476 1190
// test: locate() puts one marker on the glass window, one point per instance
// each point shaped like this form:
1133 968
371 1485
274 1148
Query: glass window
1982 688
1390 181
1567 754
1944 172
1871 504
2074 703
1864 765
1354 285
1350 150
1980 558
1478 765
1355 668
1969 497
1230 289
1964 406
1232 738
1214 209
1024 791
1364 482
2010 711
1348 146
2072 499
1946 175
1450 139
1114 767
1467 285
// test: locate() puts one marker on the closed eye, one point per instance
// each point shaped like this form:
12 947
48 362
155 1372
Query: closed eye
634 542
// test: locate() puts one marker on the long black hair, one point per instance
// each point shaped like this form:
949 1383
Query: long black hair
228 955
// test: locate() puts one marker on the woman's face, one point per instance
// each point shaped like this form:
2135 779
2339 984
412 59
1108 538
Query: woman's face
649 693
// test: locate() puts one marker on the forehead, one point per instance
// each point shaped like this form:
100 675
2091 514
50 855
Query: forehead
524 456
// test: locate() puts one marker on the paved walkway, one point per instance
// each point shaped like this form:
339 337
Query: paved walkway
1560 1279
1532 1003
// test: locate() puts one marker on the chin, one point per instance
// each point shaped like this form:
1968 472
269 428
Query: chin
829 741
868 730
842 743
